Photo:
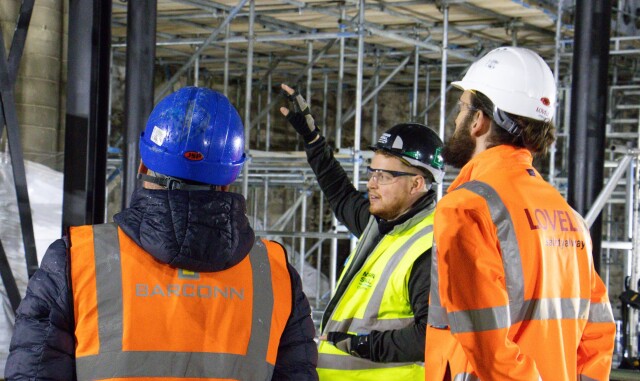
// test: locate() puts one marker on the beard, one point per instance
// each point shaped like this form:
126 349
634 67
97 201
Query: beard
460 147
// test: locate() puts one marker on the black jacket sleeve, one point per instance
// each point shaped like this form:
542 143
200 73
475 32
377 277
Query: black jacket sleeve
407 344
43 344
350 206
297 352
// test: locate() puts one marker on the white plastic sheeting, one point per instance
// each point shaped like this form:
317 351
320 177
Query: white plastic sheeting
45 195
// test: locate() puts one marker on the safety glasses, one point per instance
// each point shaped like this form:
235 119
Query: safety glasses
385 176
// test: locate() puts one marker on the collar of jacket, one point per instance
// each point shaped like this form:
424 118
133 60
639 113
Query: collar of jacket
200 231
492 161
425 202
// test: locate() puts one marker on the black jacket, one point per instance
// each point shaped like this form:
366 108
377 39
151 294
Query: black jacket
200 231
351 207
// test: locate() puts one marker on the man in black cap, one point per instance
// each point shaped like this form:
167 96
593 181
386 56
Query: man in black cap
374 326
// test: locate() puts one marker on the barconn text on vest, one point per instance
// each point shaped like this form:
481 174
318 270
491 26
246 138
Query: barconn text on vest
188 290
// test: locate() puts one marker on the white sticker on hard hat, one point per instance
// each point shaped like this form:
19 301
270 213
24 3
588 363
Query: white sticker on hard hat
383 138
397 143
158 135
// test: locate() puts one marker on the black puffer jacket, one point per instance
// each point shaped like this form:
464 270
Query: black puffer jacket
200 231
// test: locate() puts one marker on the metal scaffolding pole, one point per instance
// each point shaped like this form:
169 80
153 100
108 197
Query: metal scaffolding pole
443 80
325 95
247 100
339 88
358 111
267 143
265 202
374 116
325 98
416 78
426 96
259 124
303 229
196 71
556 76
226 62
309 72
428 46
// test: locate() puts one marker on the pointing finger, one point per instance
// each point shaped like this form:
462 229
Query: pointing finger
287 89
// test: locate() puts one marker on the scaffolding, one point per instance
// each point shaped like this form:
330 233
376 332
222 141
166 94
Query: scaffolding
363 66
350 60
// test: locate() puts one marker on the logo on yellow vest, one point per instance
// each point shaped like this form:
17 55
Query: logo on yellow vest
366 280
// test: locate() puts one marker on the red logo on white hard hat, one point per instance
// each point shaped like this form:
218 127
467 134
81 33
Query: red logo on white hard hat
193 155
545 101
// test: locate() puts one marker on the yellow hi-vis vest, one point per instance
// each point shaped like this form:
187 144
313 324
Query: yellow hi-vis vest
137 318
377 299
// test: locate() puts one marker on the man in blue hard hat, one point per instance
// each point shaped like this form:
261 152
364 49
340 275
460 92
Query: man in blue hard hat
178 286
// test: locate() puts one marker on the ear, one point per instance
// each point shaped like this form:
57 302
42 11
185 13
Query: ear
142 168
481 124
418 184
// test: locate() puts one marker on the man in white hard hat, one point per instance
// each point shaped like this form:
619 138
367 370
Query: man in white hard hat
514 294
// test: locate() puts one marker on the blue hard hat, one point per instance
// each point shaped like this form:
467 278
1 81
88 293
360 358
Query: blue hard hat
194 134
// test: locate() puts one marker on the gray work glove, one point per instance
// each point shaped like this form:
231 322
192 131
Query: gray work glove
299 115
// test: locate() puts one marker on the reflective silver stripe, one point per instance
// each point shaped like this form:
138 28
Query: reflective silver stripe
172 364
466 377
540 309
108 292
511 261
347 362
479 320
112 362
437 314
582 377
368 325
600 313
518 309
370 317
373 306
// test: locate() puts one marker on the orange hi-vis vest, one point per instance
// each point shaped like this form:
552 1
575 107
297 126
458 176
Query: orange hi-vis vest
138 318
514 293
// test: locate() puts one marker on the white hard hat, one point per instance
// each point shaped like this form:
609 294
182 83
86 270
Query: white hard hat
516 80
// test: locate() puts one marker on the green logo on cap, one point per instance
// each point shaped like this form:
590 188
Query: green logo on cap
437 161
412 154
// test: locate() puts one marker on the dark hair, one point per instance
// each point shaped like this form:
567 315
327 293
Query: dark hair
535 135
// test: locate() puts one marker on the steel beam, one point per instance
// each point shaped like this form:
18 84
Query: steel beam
9 117
587 123
86 131
138 96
